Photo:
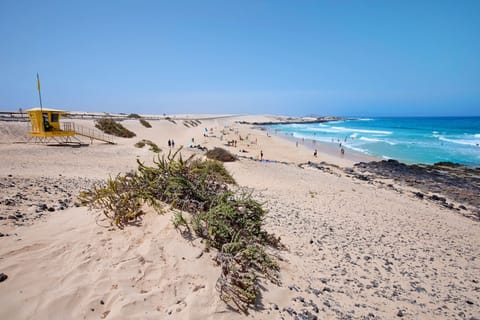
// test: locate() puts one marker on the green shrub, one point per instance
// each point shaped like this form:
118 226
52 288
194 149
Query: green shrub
145 123
112 127
229 221
134 116
220 154
140 144
117 198
153 146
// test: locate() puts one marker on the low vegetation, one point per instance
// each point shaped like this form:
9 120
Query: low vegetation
114 128
145 123
220 154
153 146
134 116
206 203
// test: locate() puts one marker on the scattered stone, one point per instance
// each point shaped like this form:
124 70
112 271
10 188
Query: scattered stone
3 277
400 313
419 195
9 202
102 302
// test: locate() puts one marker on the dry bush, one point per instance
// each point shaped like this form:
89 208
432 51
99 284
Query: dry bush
114 128
153 146
220 154
145 123
229 221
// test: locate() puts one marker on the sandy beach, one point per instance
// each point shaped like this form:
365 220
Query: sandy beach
355 248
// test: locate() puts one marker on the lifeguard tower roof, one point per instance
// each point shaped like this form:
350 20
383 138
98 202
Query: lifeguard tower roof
46 110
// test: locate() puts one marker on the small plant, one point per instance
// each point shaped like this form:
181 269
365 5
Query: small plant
170 119
220 154
134 116
112 127
145 123
140 144
117 198
153 146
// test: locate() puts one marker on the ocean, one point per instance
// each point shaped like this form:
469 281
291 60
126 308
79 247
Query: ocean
409 140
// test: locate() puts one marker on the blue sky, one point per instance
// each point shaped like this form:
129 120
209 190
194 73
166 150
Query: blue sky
298 57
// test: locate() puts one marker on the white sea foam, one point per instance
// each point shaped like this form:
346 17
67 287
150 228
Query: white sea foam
357 149
364 119
477 136
377 140
343 129
460 141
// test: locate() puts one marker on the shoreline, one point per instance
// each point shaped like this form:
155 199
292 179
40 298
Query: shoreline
327 148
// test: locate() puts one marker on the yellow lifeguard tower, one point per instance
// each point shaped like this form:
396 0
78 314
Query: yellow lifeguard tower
46 124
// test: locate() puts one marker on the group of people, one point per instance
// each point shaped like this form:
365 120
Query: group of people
171 143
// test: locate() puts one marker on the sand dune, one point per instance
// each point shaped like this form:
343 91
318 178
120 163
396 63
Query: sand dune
355 249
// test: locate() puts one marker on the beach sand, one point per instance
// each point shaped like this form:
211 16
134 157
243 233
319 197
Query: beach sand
354 249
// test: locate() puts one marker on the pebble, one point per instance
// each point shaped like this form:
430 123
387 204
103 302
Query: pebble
3 277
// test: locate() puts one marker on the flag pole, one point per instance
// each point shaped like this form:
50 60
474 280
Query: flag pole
39 93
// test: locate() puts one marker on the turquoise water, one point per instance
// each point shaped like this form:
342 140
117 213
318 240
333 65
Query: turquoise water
410 140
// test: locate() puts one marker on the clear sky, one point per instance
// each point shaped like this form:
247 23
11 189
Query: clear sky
300 57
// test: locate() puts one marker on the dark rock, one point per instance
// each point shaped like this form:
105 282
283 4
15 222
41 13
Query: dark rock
102 302
9 202
11 216
400 313
437 198
306 315
290 311
51 209
42 206
362 177
462 207
326 303
275 306
469 302
419 195
3 277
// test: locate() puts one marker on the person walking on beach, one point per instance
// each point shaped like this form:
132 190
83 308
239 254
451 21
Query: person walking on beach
173 144
261 154
315 153
169 143
342 151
